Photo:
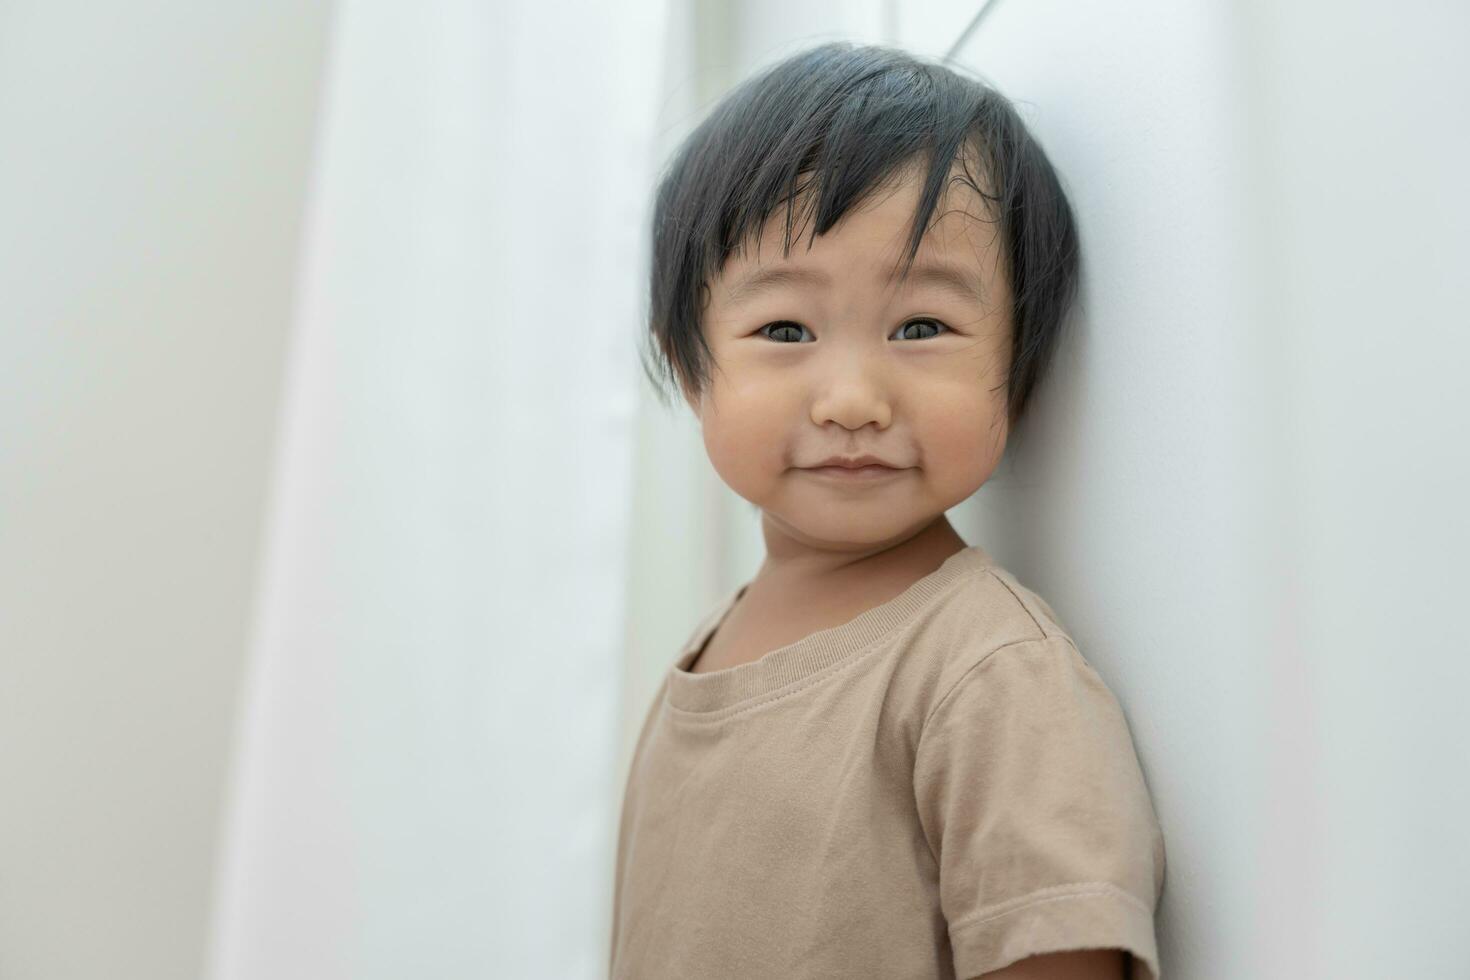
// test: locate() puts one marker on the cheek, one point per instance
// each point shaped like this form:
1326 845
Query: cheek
963 439
746 435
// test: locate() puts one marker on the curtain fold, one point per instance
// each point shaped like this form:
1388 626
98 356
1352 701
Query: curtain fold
427 741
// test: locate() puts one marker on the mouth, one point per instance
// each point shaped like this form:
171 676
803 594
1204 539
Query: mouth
855 474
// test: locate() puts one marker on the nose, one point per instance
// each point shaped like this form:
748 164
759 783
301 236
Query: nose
852 394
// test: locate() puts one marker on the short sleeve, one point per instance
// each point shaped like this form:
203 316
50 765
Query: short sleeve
1031 797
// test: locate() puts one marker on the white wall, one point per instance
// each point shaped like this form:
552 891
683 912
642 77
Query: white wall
152 167
1242 486
1359 230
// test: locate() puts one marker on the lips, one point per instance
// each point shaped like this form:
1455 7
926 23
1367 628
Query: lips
856 475
855 462
856 470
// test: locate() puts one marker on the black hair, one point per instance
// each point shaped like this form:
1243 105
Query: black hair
851 118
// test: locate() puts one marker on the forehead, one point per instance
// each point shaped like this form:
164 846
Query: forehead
961 234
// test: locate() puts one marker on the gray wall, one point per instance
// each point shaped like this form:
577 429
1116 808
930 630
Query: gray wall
153 159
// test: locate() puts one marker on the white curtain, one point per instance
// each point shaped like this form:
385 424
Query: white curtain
426 779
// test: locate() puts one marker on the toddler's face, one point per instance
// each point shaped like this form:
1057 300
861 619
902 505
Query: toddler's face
847 362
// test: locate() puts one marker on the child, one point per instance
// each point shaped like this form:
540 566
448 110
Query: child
882 756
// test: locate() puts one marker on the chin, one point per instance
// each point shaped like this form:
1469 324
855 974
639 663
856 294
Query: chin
834 528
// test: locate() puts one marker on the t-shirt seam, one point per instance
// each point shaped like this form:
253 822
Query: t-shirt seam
687 715
1052 893
976 666
1045 635
1024 605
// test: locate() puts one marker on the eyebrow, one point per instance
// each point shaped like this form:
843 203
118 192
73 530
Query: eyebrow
952 279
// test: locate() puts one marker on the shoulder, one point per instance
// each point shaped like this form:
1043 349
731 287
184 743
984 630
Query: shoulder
1011 692
987 617
987 604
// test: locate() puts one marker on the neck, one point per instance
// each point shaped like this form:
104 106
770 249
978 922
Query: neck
788 560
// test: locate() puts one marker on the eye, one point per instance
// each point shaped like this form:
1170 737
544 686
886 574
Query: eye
787 328
922 322
788 332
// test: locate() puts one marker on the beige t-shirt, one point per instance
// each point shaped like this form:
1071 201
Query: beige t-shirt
936 788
